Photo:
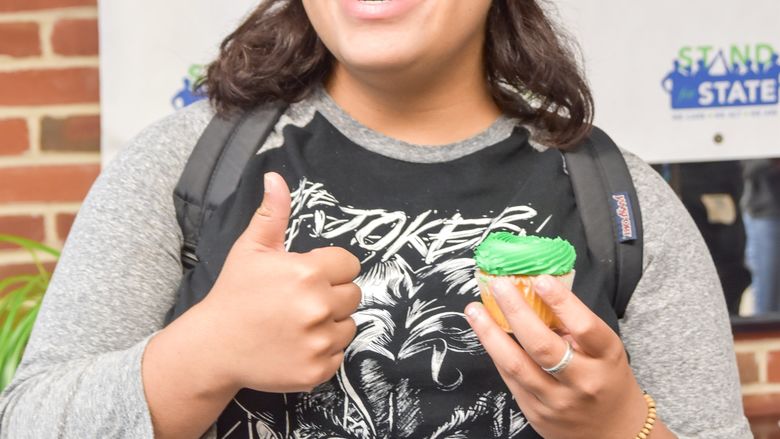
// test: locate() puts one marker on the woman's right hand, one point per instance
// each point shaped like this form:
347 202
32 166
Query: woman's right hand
274 321
278 321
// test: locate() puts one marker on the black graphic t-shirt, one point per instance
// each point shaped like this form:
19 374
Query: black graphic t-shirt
415 368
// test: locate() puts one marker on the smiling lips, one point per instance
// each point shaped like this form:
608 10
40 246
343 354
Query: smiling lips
377 9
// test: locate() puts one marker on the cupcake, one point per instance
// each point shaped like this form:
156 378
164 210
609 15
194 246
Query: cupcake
520 259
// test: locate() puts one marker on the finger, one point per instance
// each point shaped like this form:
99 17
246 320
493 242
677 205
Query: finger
345 299
338 265
590 332
345 332
269 223
514 364
332 366
544 346
336 361
528 402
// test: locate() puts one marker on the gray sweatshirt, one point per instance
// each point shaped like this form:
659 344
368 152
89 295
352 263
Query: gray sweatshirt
120 268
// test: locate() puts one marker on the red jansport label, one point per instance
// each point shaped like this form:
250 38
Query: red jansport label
624 216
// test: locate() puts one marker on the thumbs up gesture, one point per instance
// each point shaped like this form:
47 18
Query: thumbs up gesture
280 320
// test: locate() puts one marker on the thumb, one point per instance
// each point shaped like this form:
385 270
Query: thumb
269 223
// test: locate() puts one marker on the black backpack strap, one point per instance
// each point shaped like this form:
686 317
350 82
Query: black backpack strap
214 168
610 213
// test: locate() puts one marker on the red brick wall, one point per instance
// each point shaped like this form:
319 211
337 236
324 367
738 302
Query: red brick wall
758 357
49 119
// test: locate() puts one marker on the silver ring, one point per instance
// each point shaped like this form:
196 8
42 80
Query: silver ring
567 356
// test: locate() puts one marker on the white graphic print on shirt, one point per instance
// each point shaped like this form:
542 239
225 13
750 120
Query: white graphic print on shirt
399 320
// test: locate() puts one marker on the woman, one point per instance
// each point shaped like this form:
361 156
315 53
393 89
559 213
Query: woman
339 308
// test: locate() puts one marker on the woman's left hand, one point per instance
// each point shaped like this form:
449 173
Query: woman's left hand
596 395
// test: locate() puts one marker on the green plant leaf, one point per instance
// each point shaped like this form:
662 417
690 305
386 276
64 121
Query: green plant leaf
19 306
11 354
29 244
9 312
39 265
41 281
17 299
11 281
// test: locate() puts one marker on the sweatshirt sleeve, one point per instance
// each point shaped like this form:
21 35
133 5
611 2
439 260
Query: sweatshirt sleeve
81 373
676 327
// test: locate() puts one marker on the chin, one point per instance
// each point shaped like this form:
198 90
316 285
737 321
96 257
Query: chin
379 58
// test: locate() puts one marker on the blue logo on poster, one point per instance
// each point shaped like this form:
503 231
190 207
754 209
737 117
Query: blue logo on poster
188 94
708 77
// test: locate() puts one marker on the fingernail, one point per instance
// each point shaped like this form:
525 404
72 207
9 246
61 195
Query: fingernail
502 287
473 310
268 183
543 284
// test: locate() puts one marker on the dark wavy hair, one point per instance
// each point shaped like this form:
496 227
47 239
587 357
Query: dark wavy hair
531 68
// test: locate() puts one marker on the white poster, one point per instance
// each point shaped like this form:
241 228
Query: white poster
673 81
151 52
693 80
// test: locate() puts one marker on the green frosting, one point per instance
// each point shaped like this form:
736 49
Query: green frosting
503 253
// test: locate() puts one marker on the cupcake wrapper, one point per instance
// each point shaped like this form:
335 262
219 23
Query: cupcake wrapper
524 285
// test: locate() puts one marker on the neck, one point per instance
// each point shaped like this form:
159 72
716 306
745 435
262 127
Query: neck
424 108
